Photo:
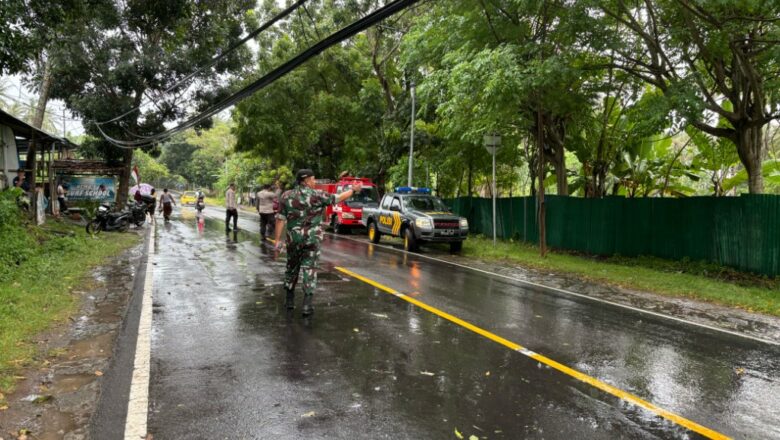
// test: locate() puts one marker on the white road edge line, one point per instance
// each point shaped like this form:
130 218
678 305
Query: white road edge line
568 292
138 402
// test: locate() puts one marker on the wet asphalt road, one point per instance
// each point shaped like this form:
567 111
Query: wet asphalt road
229 362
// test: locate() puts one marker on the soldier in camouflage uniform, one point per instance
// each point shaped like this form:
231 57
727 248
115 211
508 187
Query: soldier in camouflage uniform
302 209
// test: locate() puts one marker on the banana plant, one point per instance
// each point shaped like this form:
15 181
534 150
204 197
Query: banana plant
770 169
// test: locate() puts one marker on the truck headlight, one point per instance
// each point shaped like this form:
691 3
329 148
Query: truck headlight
424 223
347 215
464 224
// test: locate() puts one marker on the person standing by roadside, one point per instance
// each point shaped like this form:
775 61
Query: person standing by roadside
166 204
301 208
265 207
231 208
62 193
151 204
20 181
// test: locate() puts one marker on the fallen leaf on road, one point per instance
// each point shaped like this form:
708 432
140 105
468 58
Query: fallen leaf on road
458 434
3 408
380 315
473 437
740 371
41 399
487 373
309 414
427 373
356 330
98 373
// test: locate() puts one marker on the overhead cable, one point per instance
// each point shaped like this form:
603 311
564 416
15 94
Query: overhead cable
352 29
217 58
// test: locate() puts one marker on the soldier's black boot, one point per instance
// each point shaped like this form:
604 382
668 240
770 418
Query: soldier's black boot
289 302
308 309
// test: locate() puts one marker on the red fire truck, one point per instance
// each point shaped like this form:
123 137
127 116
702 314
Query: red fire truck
347 214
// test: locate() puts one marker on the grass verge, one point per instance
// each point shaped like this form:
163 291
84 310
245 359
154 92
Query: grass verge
696 280
38 292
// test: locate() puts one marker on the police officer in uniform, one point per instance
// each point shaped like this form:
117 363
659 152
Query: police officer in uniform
302 208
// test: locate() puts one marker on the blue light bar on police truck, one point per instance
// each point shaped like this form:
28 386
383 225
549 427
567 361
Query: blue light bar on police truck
412 190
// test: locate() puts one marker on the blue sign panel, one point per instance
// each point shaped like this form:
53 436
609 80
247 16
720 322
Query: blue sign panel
91 188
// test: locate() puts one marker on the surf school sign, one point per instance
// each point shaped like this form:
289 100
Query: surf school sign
102 189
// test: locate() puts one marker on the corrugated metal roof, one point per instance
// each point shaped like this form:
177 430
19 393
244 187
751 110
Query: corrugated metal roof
25 130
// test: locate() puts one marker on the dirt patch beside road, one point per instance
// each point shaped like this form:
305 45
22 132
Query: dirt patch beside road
56 399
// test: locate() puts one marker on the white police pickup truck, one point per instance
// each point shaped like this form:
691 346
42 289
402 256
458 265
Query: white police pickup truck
416 216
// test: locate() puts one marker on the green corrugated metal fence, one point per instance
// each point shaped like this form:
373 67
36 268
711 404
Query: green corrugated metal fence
741 232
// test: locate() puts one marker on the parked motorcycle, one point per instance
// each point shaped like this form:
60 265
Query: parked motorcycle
105 220
138 211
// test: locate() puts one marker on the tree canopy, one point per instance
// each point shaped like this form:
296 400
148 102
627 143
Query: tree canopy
617 97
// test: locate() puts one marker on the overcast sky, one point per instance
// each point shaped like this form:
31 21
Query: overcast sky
15 91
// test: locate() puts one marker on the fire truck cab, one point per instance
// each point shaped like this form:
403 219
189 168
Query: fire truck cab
347 214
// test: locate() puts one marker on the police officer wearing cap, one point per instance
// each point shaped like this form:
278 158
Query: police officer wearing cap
301 209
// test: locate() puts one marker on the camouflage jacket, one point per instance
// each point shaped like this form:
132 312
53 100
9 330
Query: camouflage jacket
303 208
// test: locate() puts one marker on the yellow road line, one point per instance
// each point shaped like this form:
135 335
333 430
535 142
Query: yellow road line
617 392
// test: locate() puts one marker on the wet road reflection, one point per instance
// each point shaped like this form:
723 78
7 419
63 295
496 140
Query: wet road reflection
229 362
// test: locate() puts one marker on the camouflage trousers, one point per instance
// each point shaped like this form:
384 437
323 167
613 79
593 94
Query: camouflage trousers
302 258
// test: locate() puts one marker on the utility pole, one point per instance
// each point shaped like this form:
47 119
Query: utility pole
540 198
491 142
411 141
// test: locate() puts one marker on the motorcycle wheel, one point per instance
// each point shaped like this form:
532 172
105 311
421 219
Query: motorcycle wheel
124 225
93 227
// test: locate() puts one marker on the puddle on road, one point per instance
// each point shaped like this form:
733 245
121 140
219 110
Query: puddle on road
211 228
330 277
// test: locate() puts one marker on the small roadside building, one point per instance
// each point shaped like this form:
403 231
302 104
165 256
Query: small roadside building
15 138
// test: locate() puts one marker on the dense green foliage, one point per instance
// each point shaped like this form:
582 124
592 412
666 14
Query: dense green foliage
133 53
635 98
670 122
16 245
155 173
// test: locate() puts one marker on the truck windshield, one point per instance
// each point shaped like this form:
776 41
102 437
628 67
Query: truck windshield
425 203
366 196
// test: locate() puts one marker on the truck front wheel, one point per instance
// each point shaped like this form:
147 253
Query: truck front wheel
456 246
373 233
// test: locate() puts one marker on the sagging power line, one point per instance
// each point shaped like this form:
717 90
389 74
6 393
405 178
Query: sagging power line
216 59
352 29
